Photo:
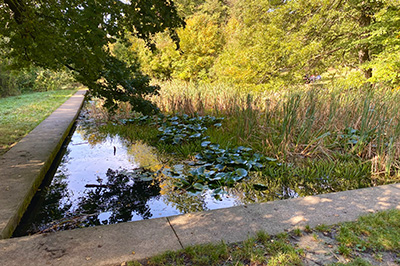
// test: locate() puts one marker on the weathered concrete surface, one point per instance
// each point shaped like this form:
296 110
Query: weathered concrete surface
114 244
236 224
24 166
103 245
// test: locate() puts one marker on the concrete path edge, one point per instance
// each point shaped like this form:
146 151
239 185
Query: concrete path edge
118 243
24 166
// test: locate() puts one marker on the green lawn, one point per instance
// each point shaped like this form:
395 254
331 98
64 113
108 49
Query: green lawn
20 114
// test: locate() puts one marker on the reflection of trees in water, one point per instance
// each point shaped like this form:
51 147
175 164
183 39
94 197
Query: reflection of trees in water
121 196
56 204
185 202
50 203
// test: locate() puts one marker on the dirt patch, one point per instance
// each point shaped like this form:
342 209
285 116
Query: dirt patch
322 248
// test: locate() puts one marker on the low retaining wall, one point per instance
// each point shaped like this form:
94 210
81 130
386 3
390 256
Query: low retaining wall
24 166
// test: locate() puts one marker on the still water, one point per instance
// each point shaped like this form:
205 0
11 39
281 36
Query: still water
97 183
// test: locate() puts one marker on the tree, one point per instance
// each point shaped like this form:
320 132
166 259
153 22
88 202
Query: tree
76 34
280 41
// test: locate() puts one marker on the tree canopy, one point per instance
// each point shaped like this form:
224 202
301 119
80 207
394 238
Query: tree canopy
273 42
77 35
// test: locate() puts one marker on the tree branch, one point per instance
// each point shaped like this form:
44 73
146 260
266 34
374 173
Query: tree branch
17 8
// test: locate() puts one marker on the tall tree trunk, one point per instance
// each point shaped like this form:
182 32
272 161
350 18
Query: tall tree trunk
17 7
363 52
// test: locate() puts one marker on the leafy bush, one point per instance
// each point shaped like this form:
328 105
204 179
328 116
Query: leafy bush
13 82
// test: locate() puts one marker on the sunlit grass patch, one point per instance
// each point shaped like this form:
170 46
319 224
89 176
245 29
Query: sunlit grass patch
259 250
377 232
20 114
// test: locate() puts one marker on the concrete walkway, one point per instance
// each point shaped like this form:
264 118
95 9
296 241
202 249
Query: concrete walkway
24 166
114 244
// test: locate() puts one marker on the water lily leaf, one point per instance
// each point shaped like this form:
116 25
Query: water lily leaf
198 157
200 170
197 135
214 146
237 178
258 165
218 191
198 186
179 167
205 143
178 185
193 192
185 182
219 176
210 173
240 161
241 172
270 159
219 167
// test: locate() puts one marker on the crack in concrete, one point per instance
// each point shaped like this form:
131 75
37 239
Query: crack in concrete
173 229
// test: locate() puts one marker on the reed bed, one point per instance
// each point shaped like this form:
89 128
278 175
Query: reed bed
300 122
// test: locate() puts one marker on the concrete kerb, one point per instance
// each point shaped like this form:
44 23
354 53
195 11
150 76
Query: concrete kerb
114 244
24 166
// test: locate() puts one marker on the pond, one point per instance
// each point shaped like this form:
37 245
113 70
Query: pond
101 179
103 176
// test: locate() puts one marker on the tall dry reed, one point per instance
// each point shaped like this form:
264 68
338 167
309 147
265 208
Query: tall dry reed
301 121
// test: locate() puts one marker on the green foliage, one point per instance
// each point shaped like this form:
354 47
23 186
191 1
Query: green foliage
276 43
200 43
385 34
76 35
34 79
219 167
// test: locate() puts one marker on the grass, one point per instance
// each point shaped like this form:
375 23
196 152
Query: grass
20 114
363 242
300 123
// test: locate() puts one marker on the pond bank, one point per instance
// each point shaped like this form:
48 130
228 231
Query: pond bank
114 244
24 166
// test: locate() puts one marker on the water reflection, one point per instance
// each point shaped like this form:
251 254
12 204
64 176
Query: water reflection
119 199
104 179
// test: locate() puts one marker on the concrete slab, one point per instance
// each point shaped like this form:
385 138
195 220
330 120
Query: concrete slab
114 244
24 166
237 223
103 245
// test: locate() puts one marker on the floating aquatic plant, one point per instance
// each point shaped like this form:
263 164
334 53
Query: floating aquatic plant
218 168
